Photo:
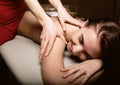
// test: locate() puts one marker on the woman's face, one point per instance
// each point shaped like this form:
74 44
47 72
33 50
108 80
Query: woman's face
85 43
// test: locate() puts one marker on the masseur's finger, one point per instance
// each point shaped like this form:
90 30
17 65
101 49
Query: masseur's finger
50 46
44 45
74 21
41 46
63 38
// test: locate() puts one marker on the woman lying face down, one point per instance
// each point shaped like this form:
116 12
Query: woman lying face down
91 41
95 40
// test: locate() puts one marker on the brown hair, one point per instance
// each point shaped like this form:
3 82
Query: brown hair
109 34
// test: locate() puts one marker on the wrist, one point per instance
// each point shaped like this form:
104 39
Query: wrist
57 4
43 20
60 7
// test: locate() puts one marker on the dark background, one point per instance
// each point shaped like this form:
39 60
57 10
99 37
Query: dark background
6 76
94 9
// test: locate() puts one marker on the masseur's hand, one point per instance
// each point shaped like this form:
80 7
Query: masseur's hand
48 36
86 68
64 16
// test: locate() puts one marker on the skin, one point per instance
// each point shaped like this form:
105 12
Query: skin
50 30
84 43
86 69
30 27
72 35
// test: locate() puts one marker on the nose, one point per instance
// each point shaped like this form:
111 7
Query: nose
78 49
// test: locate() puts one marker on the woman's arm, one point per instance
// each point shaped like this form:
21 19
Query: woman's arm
52 64
86 68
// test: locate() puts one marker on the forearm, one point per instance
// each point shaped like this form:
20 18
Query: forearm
52 64
95 77
56 4
98 73
37 10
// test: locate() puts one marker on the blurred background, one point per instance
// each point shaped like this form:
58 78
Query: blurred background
93 9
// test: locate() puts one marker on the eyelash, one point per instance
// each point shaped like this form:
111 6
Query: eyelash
81 40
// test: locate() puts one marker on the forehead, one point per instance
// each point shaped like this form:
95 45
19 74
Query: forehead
92 42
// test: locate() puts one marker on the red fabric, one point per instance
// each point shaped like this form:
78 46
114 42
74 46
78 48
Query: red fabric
11 13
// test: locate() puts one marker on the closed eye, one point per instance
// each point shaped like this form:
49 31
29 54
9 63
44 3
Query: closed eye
81 39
